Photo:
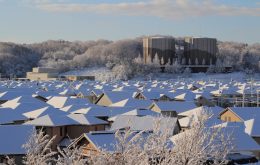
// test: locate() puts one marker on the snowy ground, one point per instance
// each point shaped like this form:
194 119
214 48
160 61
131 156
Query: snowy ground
100 73
201 76
103 73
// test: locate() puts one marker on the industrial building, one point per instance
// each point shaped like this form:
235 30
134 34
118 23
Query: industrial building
199 51
41 73
194 52
164 47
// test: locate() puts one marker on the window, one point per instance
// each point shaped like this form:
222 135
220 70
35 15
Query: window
229 118
225 118
61 131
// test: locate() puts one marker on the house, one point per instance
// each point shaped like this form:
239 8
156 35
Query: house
63 101
241 141
239 114
11 141
94 95
72 125
252 127
98 141
184 95
108 98
152 95
188 117
147 123
93 142
134 103
102 112
135 112
204 99
171 108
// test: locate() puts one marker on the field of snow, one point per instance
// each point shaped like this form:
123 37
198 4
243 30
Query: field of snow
105 74
239 76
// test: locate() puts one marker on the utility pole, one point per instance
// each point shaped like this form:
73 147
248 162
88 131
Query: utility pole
243 104
257 97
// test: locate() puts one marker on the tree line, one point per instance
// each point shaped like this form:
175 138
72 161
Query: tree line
119 56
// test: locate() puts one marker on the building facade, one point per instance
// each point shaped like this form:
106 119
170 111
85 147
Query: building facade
164 47
199 51
40 73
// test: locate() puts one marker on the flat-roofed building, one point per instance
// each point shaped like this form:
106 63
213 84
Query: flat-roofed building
162 46
41 73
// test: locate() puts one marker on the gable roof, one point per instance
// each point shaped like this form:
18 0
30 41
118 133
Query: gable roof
147 123
134 103
241 140
253 127
136 112
72 119
62 101
177 106
244 113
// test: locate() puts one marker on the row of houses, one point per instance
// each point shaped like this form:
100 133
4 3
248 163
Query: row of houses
88 113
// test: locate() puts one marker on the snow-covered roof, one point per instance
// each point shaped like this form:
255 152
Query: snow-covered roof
8 115
253 127
71 119
13 137
107 140
143 123
136 112
177 106
118 96
134 103
246 113
42 112
241 140
62 101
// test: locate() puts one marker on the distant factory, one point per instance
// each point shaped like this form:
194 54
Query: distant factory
164 47
194 52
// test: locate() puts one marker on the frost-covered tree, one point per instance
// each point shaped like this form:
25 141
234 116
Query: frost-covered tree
203 61
183 61
162 61
127 150
38 149
10 161
196 61
174 68
195 146
211 69
187 72
138 60
189 61
219 67
202 143
71 156
156 60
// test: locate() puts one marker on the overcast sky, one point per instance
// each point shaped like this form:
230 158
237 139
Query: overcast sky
27 21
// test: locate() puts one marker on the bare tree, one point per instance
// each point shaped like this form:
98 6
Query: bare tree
38 149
